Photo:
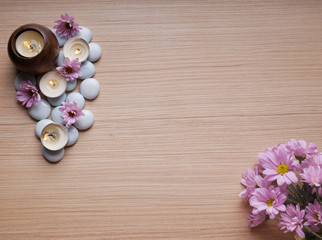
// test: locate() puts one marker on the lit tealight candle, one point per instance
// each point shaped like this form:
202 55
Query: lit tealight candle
52 84
29 43
76 48
54 136
33 48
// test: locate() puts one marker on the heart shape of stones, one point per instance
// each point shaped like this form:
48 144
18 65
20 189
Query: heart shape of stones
56 92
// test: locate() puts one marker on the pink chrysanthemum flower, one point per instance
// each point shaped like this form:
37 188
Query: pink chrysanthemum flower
251 180
28 94
279 165
256 219
312 175
292 220
66 27
300 149
313 216
70 69
71 112
315 160
269 200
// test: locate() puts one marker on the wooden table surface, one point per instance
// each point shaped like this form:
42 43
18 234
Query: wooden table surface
191 91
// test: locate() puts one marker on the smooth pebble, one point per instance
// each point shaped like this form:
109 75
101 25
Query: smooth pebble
95 52
40 111
71 85
76 97
72 136
53 156
40 126
86 121
56 116
90 88
24 77
60 59
61 41
84 33
57 101
87 69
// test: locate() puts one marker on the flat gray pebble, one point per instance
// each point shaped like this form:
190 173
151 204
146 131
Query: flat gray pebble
90 88
60 59
87 69
58 100
40 126
76 97
72 136
71 85
86 121
84 33
95 52
53 156
24 77
56 116
40 111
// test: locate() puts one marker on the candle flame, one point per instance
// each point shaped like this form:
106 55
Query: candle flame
52 83
46 136
77 51
28 45
49 136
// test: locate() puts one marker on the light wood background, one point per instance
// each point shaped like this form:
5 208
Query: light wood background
191 91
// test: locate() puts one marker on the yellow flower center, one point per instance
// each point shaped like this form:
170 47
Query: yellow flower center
316 217
282 168
270 202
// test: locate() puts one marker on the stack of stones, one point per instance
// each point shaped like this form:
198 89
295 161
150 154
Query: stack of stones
46 107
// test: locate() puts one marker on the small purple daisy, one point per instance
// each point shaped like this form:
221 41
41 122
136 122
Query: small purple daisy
70 69
269 200
71 112
66 27
292 219
28 94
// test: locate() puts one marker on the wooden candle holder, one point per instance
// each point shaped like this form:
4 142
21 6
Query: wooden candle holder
40 63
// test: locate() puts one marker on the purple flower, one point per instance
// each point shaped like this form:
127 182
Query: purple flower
313 216
279 165
269 200
251 180
70 69
66 27
28 94
315 160
312 175
292 220
256 219
300 149
71 112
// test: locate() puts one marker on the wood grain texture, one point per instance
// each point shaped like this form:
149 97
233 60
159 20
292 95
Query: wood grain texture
191 91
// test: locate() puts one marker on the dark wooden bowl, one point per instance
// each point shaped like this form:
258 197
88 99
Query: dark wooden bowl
40 63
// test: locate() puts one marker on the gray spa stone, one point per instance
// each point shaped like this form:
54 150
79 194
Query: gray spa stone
58 100
53 156
90 88
40 111
22 76
95 52
72 136
76 97
86 121
84 33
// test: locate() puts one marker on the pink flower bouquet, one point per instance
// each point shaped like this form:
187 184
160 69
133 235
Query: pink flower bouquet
285 185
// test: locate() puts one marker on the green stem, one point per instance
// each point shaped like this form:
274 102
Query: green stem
311 231
295 193
317 195
292 201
